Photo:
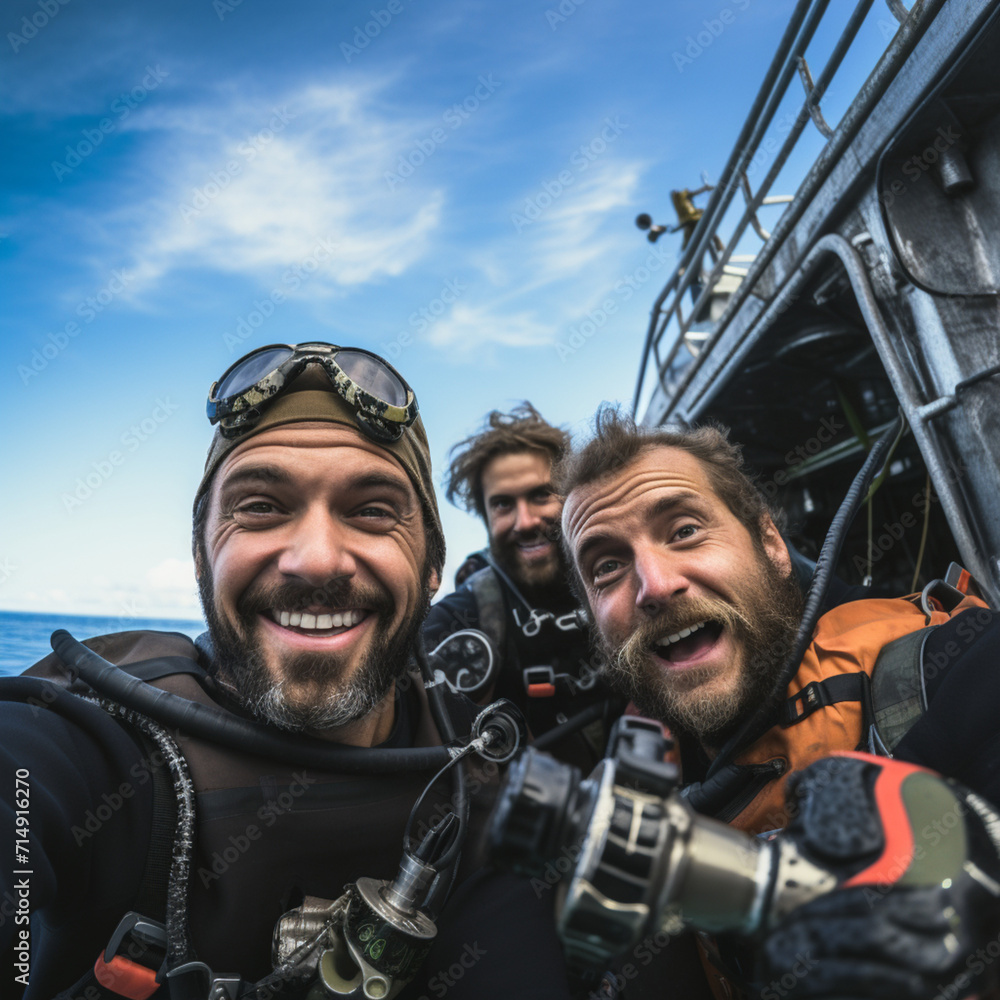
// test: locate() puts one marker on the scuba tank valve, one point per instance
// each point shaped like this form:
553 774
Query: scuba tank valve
632 858
371 941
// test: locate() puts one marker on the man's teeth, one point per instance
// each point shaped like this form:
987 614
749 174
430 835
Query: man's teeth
677 636
342 619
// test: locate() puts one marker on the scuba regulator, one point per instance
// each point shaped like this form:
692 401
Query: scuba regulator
632 858
374 939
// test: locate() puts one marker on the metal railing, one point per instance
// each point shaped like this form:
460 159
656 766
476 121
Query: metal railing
693 270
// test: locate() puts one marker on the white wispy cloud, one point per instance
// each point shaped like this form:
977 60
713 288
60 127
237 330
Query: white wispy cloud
471 327
271 188
541 272
292 192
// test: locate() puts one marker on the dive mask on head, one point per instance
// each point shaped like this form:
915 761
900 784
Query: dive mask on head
384 405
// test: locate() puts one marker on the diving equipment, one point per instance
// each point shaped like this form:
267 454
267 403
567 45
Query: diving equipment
369 943
632 858
465 661
218 726
826 563
384 405
338 824
372 941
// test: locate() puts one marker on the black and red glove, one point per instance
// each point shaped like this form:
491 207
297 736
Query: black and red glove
916 910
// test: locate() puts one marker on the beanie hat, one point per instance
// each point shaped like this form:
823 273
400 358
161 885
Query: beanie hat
312 397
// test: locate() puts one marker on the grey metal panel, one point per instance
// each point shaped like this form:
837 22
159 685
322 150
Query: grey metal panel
929 344
953 26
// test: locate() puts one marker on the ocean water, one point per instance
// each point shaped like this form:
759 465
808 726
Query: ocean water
24 636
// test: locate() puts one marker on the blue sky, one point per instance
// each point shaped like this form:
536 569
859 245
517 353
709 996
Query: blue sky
450 184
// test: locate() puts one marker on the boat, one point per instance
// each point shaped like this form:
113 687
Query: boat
873 292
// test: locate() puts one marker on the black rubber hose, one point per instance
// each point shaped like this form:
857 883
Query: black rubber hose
459 807
438 702
590 714
218 726
759 722
435 694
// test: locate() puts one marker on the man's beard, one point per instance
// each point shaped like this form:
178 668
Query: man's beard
763 621
335 699
537 580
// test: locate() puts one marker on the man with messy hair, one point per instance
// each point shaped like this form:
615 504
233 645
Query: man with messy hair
518 592
757 615
696 607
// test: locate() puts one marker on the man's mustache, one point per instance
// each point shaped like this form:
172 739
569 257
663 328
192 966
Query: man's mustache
299 597
683 614
547 532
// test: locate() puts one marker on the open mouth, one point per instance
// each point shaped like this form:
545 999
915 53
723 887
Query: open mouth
690 644
534 547
321 623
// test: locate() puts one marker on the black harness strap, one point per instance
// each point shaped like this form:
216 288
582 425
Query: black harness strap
819 694
151 896
151 899
485 585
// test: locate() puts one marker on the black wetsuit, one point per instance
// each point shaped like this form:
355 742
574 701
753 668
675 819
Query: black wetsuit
267 834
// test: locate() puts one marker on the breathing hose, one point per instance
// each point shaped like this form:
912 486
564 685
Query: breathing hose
575 722
216 725
448 864
759 722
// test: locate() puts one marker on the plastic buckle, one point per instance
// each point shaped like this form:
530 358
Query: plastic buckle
196 979
940 596
812 697
125 975
539 682
959 578
639 747
963 581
